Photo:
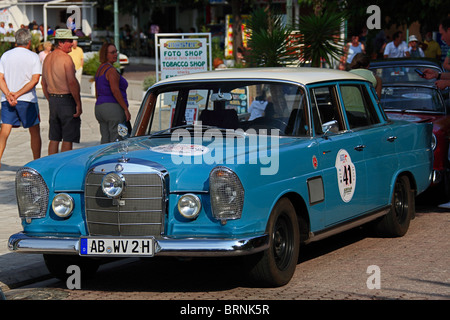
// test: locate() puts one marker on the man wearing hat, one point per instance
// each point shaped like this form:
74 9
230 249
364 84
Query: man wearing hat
414 50
62 90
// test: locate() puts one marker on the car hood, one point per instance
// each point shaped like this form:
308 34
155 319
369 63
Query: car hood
66 171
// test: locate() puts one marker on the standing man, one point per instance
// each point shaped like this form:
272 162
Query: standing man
442 79
20 70
350 50
444 30
433 50
62 90
396 48
414 50
77 56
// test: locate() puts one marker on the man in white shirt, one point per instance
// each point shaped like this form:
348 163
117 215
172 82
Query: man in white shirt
396 48
20 70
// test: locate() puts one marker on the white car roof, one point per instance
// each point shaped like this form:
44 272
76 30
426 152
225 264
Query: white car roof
300 75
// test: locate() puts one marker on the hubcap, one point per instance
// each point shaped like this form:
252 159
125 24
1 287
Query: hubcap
400 202
282 242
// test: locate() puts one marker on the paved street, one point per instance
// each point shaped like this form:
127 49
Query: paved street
414 267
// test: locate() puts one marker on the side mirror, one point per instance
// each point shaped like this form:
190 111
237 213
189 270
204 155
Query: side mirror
122 129
330 126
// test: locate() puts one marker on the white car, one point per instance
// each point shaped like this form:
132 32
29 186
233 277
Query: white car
123 59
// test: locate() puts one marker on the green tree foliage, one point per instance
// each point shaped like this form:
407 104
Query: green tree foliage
269 43
319 37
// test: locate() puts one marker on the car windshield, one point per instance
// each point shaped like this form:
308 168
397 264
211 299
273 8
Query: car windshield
402 74
410 98
226 105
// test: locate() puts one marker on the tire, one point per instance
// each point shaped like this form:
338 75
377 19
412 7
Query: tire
444 187
57 265
275 266
396 222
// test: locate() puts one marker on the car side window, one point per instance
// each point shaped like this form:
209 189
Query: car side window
325 110
358 106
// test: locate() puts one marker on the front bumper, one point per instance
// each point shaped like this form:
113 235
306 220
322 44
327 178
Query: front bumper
438 176
179 247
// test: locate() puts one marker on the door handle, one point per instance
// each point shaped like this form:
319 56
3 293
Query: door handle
391 138
360 147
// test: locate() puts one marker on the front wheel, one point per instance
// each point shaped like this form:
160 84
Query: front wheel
275 266
396 222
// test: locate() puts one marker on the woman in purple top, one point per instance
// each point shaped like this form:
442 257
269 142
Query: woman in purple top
111 107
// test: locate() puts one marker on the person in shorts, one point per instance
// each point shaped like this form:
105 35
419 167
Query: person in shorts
20 70
62 90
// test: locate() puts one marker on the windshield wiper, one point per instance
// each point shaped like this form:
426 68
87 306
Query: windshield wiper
185 126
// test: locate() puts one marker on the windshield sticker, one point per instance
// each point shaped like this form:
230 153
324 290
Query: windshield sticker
417 95
181 149
346 174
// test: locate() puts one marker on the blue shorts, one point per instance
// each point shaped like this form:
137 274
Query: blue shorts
25 113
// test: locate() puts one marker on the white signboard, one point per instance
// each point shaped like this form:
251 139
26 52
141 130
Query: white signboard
182 54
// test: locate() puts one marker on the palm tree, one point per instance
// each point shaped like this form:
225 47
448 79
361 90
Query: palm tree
320 37
270 43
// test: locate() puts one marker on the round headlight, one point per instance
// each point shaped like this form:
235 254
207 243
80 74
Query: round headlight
113 185
62 205
189 206
227 194
32 194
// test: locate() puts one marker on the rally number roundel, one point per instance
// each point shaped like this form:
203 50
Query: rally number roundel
346 174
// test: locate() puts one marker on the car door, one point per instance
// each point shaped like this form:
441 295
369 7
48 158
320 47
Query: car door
378 141
339 159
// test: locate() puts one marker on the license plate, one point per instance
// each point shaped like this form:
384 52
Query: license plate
117 246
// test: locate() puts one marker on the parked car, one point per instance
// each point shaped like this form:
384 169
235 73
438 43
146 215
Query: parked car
424 103
408 71
122 60
239 162
403 70
408 96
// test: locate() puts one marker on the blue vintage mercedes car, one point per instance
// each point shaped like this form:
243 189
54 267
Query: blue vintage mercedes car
247 162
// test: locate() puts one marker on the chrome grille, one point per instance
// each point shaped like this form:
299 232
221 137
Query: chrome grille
138 212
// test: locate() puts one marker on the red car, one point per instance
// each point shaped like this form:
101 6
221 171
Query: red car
424 103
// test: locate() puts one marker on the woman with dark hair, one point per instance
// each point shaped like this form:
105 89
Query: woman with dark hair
111 107
360 66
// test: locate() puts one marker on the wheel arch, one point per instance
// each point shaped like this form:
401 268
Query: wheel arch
301 210
412 181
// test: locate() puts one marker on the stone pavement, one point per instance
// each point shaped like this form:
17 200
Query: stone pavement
18 269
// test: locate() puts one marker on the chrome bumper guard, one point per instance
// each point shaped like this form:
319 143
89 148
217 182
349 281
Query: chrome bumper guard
187 247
